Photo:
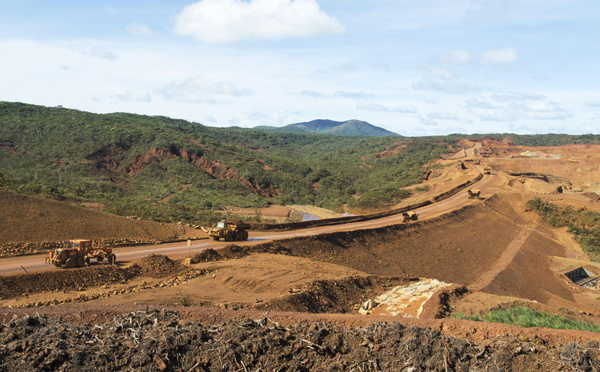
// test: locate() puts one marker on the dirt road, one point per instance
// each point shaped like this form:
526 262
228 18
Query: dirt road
178 250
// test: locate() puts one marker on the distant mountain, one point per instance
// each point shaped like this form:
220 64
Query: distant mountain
341 128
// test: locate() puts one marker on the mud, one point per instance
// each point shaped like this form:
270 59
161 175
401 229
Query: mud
161 340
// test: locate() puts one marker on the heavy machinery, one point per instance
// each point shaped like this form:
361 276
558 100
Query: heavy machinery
487 170
476 161
474 193
78 253
231 230
410 216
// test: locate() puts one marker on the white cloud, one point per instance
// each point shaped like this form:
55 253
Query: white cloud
338 68
514 111
448 87
516 96
339 94
544 111
210 119
457 56
139 29
405 110
200 90
102 53
440 72
499 57
494 113
489 112
428 122
353 95
313 94
135 96
230 21
273 119
441 115
371 106
593 104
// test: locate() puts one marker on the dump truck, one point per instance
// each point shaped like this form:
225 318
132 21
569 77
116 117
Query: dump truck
410 216
78 253
487 170
232 230
474 193
476 161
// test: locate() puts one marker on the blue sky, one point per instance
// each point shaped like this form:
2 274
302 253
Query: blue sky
428 67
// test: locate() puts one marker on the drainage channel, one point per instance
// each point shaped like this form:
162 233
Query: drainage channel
583 277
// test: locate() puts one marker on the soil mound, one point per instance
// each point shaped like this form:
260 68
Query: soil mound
27 219
154 266
64 280
335 296
231 251
591 195
161 340
159 266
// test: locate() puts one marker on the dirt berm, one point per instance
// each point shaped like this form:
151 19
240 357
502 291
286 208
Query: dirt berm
153 266
161 340
31 224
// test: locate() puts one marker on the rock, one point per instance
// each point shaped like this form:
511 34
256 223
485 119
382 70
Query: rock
160 364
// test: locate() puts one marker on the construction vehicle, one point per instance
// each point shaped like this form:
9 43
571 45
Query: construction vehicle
476 161
474 193
78 253
487 170
410 216
231 230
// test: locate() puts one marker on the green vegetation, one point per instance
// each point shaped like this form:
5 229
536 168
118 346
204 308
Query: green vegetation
584 224
524 317
170 170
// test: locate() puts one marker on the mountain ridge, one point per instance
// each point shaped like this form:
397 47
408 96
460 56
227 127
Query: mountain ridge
341 128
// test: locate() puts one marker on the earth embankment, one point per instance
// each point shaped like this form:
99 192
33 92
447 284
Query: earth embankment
28 222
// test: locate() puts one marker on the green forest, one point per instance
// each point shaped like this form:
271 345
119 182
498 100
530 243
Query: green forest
132 163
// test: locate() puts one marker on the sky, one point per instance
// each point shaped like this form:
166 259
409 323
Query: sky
427 67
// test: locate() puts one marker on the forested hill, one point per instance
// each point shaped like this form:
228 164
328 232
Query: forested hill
167 169
340 128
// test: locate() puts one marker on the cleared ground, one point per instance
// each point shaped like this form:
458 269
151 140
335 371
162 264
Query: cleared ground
490 253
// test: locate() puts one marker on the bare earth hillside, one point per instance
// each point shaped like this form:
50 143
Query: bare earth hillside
33 219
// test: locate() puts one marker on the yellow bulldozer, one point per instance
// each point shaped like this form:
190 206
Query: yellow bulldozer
231 230
487 170
474 193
